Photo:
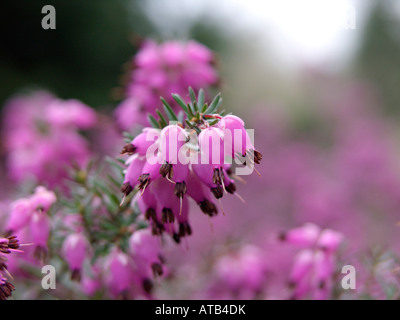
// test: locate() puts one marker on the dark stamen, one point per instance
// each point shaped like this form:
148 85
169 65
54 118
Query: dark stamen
167 216
180 189
144 180
126 188
167 169
176 238
157 269
231 188
13 242
6 290
208 207
76 275
40 253
282 236
184 229
151 214
128 149
217 191
257 157
217 178
147 285
157 228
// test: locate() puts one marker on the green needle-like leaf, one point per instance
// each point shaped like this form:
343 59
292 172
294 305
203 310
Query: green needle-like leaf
214 104
192 96
163 122
182 104
213 122
200 98
168 110
193 126
153 121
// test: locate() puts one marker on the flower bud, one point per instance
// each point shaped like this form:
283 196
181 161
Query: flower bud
172 138
211 143
74 250
21 212
142 142
40 230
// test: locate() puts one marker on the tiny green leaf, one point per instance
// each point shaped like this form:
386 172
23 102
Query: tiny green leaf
163 122
215 121
181 103
193 126
168 110
200 98
192 95
214 104
153 121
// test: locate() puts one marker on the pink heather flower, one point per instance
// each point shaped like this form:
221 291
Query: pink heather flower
20 215
132 174
120 275
75 249
150 172
29 219
162 69
128 113
240 274
167 202
211 143
42 199
40 231
172 138
148 204
146 253
302 265
205 173
142 142
238 140
71 113
199 193
313 269
91 281
303 237
329 240
300 277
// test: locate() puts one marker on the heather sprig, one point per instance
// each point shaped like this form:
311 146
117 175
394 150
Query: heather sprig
191 154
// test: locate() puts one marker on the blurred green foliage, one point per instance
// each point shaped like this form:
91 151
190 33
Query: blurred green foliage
379 54
81 58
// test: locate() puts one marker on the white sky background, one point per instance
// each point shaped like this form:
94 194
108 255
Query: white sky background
293 31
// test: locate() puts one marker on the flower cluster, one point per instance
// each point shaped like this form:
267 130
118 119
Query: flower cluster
7 245
29 220
109 252
131 274
172 162
159 70
240 274
42 137
314 266
120 274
